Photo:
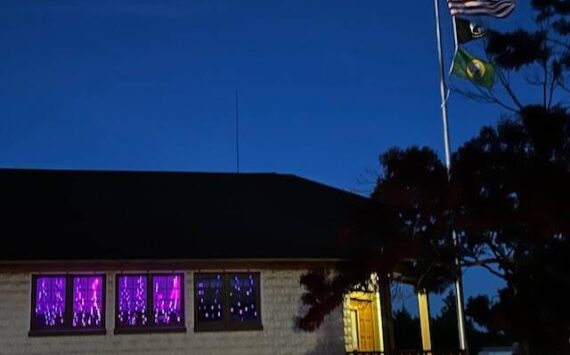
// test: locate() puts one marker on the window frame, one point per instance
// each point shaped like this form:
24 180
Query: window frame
67 328
150 327
226 324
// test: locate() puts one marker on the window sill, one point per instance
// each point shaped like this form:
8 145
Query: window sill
66 332
150 330
227 327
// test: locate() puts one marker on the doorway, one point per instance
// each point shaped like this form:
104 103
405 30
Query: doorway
364 321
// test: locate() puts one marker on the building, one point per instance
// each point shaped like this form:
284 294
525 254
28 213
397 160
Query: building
98 262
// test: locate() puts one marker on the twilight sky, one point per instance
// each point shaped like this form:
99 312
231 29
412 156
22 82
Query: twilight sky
325 86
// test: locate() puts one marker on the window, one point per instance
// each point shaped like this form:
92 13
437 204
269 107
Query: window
68 304
227 301
149 302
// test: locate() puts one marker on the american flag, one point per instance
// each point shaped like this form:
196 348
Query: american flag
495 8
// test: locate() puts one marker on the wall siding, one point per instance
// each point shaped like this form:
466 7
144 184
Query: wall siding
347 325
280 291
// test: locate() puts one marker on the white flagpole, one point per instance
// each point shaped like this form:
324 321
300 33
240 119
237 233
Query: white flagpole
442 88
447 144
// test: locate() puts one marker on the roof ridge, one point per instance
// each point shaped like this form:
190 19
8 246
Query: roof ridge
126 171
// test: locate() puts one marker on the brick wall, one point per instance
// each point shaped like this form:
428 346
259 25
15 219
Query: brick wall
280 291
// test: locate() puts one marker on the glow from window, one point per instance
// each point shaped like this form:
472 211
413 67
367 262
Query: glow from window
167 300
132 301
209 297
87 301
243 298
50 301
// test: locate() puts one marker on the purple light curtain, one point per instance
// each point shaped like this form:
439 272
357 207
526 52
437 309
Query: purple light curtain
49 309
132 309
87 302
209 297
243 298
167 299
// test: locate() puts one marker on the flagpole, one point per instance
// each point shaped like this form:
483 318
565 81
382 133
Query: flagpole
455 40
447 144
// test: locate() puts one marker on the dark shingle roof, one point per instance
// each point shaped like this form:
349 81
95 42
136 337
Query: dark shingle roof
78 215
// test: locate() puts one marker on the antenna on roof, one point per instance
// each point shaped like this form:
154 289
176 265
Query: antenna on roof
237 132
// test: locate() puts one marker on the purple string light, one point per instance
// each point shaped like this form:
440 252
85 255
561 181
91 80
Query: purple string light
243 298
209 297
87 301
167 300
132 301
50 301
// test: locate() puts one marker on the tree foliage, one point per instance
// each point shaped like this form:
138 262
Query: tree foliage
406 331
507 198
539 55
444 330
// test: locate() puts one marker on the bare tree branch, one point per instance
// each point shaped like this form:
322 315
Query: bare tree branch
559 43
532 79
552 86
486 264
545 83
483 97
507 87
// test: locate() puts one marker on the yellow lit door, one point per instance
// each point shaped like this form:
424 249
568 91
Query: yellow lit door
364 324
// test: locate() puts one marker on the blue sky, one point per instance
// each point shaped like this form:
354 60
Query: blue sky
324 86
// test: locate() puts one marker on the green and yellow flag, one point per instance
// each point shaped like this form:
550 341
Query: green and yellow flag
472 68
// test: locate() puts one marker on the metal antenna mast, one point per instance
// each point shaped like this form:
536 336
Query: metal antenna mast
237 132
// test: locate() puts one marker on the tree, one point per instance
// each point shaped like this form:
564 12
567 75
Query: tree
513 219
398 229
540 56
508 199
513 213
444 330
406 329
